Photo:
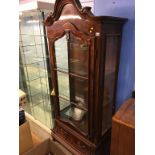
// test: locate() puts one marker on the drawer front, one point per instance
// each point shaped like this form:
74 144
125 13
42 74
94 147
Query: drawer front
73 141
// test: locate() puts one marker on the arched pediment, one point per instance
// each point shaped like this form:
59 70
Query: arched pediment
68 9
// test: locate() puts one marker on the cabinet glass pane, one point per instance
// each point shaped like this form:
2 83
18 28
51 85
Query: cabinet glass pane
63 85
27 40
34 67
75 116
35 86
71 61
61 54
36 99
63 104
31 23
40 51
78 60
79 91
32 72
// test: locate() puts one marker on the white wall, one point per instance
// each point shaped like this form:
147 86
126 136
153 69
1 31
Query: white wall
88 3
83 2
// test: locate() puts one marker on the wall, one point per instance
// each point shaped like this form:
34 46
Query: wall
88 3
126 77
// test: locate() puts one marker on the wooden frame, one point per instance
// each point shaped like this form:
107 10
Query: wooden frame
103 34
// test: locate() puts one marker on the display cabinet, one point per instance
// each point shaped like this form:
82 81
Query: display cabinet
34 70
84 58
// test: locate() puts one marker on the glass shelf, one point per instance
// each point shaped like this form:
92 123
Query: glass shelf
76 117
31 53
42 35
72 112
30 45
29 40
36 99
78 68
34 60
35 87
33 72
65 100
70 73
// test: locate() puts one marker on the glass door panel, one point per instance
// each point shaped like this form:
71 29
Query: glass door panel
78 60
79 91
71 68
63 104
63 85
61 54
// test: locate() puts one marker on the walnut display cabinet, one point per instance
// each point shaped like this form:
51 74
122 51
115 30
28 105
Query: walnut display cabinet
84 57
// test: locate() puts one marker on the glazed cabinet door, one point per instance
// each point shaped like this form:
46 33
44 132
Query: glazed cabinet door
71 69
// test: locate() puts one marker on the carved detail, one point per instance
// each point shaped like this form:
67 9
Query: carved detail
71 139
59 5
80 23
49 20
86 11
69 25
68 28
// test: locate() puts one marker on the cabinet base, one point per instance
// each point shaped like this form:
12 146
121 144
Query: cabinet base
79 145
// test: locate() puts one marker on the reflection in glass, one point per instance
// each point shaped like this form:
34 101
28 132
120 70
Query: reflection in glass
61 53
37 98
71 58
78 56
74 113
63 85
32 73
30 23
75 116
79 91
63 104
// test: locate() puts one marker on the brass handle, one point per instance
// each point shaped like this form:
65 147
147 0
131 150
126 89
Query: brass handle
53 92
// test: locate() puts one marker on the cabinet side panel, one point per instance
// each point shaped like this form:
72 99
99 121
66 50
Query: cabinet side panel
112 50
110 74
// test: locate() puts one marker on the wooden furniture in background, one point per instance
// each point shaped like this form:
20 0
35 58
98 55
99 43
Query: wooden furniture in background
123 130
84 57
